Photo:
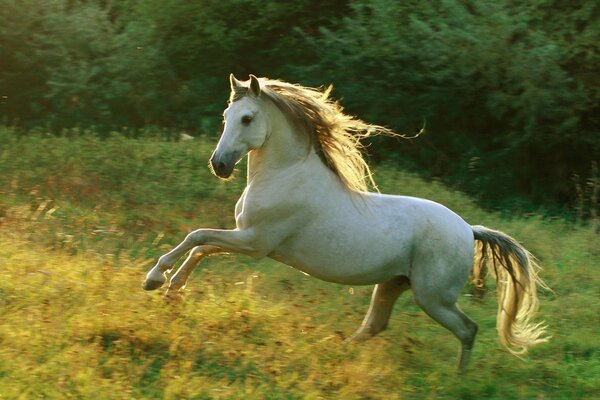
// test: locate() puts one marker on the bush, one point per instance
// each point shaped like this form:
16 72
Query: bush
508 91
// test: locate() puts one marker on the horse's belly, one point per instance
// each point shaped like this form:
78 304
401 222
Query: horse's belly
346 259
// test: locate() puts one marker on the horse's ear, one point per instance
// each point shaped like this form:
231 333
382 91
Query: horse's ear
234 82
254 86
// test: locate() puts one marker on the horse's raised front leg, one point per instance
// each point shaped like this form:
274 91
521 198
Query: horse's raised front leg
382 302
180 278
234 241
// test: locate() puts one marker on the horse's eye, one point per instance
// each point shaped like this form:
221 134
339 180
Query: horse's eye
246 119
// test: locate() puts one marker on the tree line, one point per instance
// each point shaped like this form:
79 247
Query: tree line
508 91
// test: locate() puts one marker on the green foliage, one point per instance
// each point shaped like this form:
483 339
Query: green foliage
505 88
82 220
508 90
73 64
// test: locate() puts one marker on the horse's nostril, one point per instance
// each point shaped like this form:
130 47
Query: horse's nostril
218 167
215 164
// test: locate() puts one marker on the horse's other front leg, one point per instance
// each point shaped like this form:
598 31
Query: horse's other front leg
235 241
180 278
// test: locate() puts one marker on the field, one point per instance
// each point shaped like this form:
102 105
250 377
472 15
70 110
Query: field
82 220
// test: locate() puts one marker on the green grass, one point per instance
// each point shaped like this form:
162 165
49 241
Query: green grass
82 219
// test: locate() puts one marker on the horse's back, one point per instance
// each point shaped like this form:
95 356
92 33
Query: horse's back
425 220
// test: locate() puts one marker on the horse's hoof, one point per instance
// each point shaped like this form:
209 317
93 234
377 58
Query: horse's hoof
152 284
357 337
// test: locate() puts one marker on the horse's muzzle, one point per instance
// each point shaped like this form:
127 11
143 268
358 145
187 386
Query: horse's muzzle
222 166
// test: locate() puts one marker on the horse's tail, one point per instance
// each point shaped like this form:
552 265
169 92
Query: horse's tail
515 271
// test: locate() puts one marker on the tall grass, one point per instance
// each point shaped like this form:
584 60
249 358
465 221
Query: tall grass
81 220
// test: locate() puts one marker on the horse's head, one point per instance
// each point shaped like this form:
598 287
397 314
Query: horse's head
245 128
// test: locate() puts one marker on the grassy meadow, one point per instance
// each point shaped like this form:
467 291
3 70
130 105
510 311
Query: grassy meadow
83 219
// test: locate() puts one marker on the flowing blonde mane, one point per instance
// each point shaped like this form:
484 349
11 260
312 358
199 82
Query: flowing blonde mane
336 135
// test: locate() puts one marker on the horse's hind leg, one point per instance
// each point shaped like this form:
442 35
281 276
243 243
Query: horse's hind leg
382 302
440 304
452 318
179 279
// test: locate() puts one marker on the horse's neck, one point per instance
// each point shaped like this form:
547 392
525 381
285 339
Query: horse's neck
284 152
289 161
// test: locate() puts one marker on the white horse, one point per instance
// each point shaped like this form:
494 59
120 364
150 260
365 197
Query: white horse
307 205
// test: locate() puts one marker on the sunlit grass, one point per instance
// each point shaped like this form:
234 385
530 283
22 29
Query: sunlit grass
77 236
